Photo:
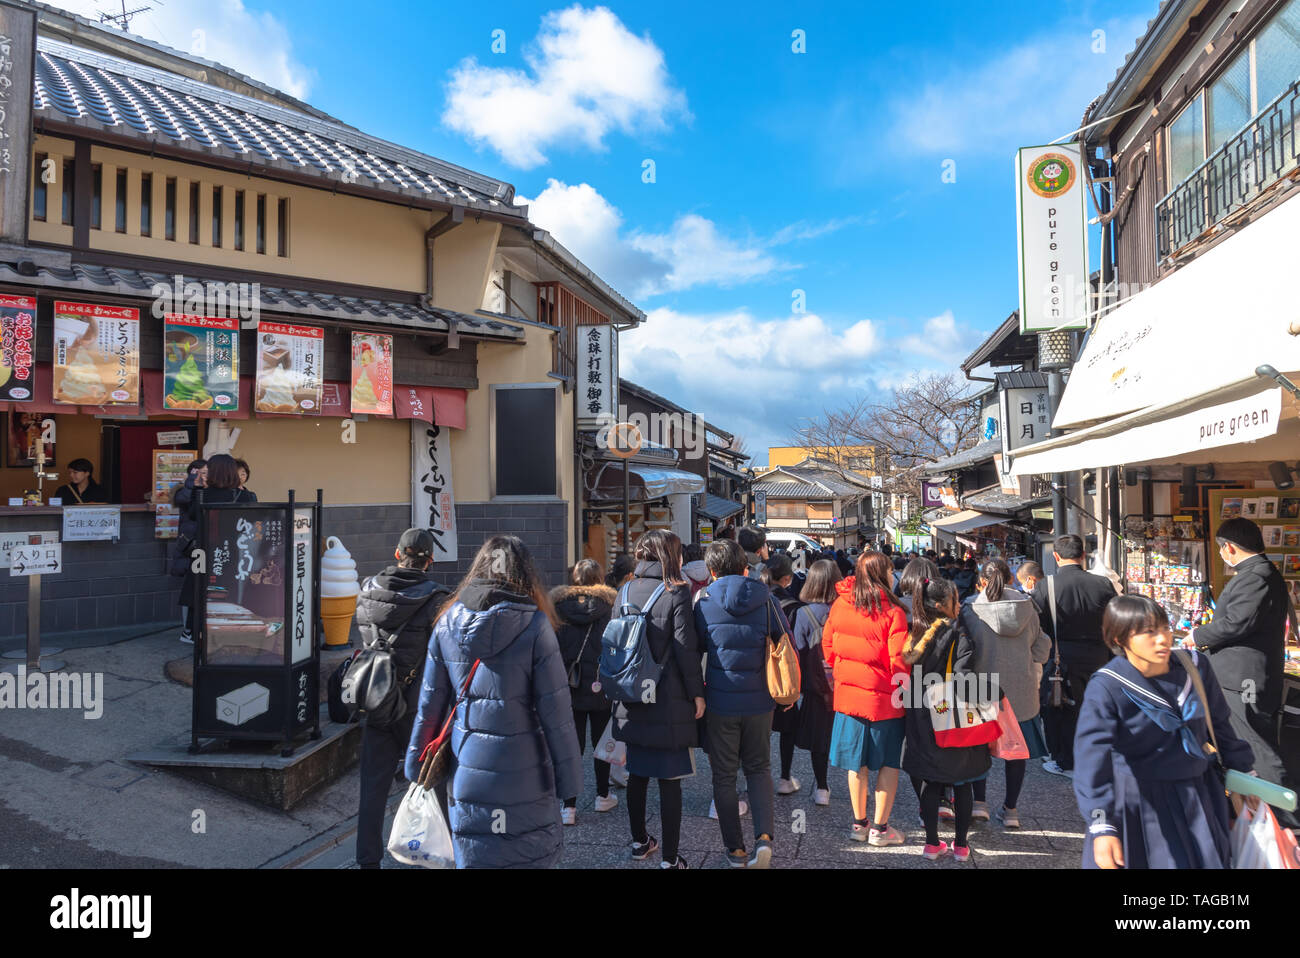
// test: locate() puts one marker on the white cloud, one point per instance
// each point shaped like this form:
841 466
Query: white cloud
693 252
250 42
757 377
588 75
1021 95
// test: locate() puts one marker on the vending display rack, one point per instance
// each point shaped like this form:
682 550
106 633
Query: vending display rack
1165 561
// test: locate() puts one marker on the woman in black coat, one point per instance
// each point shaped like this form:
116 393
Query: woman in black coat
935 640
220 484
583 609
661 733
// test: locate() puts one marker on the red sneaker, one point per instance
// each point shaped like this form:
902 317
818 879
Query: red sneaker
935 852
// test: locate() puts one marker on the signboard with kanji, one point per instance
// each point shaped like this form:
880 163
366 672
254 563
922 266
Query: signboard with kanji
44 559
597 375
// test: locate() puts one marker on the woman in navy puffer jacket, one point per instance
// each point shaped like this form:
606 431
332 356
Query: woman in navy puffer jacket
513 741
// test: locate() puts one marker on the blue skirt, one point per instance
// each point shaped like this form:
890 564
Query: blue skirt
662 763
858 743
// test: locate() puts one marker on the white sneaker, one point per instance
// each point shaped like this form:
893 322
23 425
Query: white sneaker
618 775
187 637
606 803
787 786
1052 768
822 796
979 812
569 816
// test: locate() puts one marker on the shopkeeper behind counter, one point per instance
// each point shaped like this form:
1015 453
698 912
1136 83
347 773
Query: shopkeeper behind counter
81 486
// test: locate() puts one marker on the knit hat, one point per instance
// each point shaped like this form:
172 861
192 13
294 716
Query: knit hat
1242 533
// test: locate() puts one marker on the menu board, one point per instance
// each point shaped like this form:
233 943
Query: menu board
96 355
289 367
17 331
372 373
245 610
166 522
169 473
200 362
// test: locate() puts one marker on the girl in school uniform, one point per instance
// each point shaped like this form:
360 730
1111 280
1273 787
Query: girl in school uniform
1149 791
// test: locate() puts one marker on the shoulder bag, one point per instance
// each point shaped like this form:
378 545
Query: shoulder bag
575 670
1059 696
783 676
436 757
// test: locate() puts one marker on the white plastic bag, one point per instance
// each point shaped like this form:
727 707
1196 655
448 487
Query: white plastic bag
1254 840
420 835
609 749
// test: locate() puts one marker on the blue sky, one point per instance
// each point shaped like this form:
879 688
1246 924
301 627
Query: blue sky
775 171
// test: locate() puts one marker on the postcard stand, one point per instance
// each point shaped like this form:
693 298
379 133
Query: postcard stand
256 658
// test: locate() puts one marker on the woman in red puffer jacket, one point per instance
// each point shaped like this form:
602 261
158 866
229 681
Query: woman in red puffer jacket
863 645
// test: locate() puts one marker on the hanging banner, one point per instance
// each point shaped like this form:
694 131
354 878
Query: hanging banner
17 50
200 362
96 355
372 374
433 503
17 331
289 368
597 375
1053 238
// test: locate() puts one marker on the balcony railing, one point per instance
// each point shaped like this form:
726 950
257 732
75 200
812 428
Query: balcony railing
1233 176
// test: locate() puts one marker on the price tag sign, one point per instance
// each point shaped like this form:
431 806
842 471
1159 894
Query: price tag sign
45 559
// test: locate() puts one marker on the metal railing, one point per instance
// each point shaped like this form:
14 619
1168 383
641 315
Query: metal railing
1233 176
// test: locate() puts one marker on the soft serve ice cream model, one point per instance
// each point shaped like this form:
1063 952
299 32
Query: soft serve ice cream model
339 588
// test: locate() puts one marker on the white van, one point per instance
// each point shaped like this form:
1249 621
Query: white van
778 539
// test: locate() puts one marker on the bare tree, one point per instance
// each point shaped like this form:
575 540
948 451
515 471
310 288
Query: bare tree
928 419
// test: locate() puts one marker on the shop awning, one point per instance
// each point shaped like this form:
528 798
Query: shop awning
644 482
966 520
1244 415
431 404
668 482
1203 328
716 507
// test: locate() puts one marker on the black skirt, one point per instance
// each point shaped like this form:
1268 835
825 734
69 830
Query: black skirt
813 733
785 721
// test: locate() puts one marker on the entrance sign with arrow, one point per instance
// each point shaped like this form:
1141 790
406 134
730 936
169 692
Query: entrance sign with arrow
44 559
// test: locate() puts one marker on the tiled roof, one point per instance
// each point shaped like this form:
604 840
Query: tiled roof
997 502
1022 380
964 460
106 93
792 482
716 507
139 283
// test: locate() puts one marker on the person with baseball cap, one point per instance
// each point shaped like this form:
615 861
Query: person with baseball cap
398 604
1245 645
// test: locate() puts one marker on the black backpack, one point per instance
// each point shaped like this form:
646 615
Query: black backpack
370 684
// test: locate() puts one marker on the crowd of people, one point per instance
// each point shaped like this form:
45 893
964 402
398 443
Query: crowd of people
1090 676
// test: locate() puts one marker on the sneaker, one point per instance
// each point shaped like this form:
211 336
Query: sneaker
961 853
641 852
762 854
1051 768
946 814
680 863
980 812
859 833
822 796
787 786
713 809
187 637
737 858
890 836
935 852
606 803
1008 817
569 816
618 775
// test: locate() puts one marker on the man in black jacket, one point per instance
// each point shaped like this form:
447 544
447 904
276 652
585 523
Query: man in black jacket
1081 600
1244 642
399 603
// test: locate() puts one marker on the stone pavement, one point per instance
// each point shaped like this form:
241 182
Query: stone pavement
1051 833
71 800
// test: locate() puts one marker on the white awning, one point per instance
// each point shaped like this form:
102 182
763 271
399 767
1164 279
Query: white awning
667 482
1180 430
966 520
1199 330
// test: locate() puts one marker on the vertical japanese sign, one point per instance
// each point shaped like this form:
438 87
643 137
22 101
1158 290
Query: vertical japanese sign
245 595
302 625
760 508
289 368
17 332
433 503
200 362
597 375
372 374
1025 421
1053 237
96 355
17 52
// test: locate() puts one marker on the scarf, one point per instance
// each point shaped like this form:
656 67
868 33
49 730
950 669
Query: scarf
1164 715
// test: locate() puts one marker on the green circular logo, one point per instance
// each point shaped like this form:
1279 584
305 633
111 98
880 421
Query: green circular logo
1051 174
